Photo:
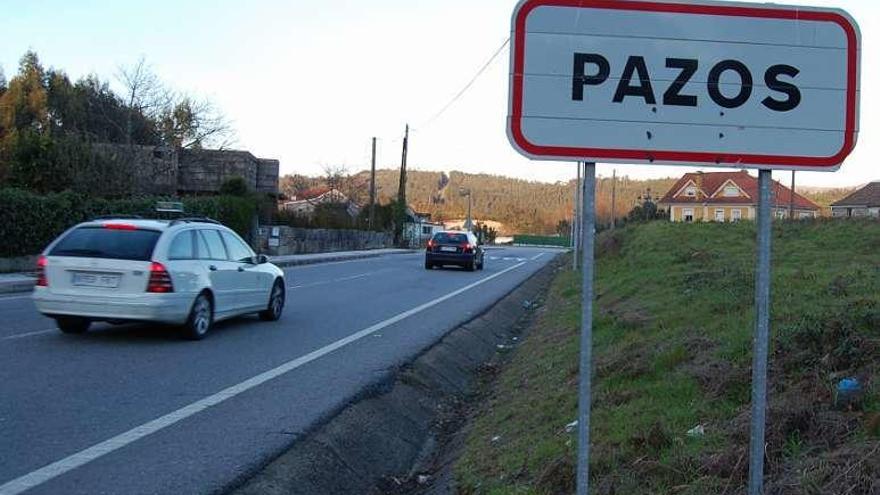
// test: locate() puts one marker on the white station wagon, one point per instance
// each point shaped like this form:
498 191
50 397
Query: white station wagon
190 272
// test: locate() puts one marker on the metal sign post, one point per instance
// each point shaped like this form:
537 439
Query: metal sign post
677 82
588 222
762 336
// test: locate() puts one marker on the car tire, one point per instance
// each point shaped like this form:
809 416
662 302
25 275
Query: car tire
201 318
275 307
73 324
472 265
429 265
482 263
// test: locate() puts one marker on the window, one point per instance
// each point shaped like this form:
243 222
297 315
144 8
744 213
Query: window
450 238
238 250
213 246
736 214
426 229
688 214
731 191
719 215
100 242
182 247
780 214
691 191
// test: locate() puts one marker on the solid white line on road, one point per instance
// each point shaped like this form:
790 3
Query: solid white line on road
537 256
69 463
28 334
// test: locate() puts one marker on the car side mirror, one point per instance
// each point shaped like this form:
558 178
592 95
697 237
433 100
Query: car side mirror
261 259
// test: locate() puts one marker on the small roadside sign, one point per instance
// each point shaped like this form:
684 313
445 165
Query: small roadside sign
681 82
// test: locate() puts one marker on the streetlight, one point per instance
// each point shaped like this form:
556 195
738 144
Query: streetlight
468 225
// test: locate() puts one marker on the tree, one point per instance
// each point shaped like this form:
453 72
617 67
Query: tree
180 120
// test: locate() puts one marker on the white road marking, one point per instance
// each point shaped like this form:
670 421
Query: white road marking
71 462
335 280
365 258
28 334
10 298
537 256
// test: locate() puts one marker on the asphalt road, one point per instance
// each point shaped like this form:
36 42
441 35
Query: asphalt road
134 409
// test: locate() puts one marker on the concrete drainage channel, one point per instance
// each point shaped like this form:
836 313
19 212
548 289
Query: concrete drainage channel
400 438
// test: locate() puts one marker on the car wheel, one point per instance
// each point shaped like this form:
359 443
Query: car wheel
429 265
201 317
72 324
472 265
276 303
482 262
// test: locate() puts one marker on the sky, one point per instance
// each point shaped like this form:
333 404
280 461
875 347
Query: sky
309 82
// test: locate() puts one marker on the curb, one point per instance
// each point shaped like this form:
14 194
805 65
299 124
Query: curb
26 285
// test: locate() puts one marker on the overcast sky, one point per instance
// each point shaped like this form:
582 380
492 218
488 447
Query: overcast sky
310 81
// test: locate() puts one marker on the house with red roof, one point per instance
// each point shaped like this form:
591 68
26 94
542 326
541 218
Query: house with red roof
728 197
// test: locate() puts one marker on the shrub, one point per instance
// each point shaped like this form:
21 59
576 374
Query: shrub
29 221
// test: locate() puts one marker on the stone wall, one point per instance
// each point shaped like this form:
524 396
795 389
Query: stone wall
162 170
204 171
292 240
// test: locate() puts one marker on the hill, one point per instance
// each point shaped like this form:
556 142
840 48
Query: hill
520 206
672 350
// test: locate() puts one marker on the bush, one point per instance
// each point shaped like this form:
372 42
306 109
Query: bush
29 221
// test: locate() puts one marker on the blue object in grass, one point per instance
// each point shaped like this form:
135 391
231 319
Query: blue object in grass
848 391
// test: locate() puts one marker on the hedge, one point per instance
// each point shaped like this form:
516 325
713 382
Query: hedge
541 240
29 221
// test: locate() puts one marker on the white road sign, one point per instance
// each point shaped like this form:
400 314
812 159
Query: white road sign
682 82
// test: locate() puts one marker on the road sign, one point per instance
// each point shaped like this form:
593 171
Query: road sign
681 82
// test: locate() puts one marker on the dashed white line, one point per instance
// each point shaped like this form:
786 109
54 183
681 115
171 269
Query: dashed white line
335 280
28 334
69 463
537 256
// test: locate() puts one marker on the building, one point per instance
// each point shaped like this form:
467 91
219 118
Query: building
728 197
863 203
419 228
175 171
305 203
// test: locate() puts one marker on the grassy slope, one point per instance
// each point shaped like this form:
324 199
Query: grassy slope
673 349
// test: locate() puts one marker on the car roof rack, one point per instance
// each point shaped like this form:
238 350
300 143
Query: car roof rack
194 219
117 217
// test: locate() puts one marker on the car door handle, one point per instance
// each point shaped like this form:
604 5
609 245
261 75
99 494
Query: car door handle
213 268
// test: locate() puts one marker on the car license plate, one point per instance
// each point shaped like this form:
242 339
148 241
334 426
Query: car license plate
450 249
105 280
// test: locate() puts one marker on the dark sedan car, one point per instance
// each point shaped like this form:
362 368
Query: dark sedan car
454 248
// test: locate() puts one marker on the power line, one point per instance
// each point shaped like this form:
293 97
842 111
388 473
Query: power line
466 86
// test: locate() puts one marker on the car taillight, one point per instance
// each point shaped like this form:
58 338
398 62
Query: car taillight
467 248
120 226
42 263
160 279
430 243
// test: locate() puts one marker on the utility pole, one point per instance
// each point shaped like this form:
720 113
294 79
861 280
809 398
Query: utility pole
401 193
577 218
613 196
470 222
791 199
373 186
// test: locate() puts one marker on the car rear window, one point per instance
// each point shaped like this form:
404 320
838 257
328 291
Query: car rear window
447 238
100 242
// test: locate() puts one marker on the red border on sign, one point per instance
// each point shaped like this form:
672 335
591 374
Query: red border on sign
718 159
